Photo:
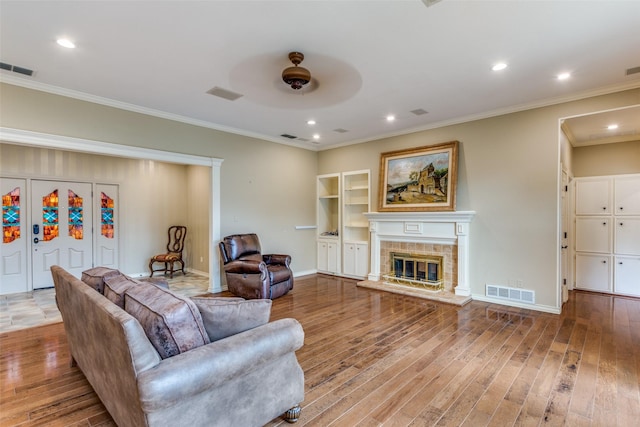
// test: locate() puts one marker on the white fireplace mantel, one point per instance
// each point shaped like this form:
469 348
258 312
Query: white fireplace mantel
448 228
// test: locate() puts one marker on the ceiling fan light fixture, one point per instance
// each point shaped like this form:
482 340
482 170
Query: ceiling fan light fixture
296 76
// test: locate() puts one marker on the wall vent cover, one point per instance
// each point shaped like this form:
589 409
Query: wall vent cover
512 294
633 70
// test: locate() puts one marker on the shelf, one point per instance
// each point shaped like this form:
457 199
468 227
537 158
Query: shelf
357 225
329 197
357 187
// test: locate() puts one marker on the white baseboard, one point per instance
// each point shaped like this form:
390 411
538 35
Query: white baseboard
536 307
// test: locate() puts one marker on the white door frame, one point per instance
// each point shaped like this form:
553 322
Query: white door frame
43 140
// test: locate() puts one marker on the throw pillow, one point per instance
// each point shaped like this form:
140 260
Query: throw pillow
223 317
116 286
172 322
95 277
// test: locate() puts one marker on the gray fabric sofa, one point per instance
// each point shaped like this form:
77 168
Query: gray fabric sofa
246 379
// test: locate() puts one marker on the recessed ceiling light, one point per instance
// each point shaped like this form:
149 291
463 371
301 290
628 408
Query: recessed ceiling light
311 122
612 127
316 136
499 66
391 118
66 43
564 76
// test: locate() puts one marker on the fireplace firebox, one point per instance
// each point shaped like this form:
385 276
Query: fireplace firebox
423 271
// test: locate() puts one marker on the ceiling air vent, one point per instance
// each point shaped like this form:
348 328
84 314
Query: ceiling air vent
633 70
340 130
16 69
419 112
224 93
286 135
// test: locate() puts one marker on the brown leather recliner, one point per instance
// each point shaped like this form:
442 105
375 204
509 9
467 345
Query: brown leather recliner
250 274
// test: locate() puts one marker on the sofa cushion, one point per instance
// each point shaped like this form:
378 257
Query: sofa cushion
172 322
94 277
223 317
116 286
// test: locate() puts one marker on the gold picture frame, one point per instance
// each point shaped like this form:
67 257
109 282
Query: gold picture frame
419 179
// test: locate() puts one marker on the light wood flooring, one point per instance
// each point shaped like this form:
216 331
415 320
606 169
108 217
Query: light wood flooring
373 358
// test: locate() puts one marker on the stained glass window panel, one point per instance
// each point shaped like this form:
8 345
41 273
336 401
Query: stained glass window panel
50 216
106 215
11 216
75 216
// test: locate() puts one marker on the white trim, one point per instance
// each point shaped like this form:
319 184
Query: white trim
60 142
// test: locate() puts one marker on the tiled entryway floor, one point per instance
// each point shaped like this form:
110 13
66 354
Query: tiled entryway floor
35 308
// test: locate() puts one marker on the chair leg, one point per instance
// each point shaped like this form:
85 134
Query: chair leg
151 268
171 271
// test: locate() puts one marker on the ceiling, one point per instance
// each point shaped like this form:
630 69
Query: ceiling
368 60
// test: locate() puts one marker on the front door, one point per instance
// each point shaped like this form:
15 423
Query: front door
61 222
13 252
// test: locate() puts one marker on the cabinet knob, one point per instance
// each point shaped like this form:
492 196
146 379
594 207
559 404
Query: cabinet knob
620 263
621 224
604 208
604 223
621 208
604 262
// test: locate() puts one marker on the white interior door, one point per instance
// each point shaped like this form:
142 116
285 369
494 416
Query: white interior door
62 223
13 249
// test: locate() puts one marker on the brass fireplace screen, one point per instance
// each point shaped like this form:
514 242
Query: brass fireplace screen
422 271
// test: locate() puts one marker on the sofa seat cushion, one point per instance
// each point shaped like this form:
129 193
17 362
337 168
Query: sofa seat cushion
95 277
116 286
172 322
223 317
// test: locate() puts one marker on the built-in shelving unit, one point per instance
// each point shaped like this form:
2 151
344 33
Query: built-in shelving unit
607 221
328 221
343 230
356 198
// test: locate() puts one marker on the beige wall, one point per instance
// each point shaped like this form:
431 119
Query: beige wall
267 188
607 159
509 174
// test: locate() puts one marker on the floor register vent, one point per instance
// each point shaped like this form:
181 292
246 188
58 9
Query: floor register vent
511 294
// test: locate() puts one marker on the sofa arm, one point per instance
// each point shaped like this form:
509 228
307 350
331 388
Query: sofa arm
246 266
277 259
190 373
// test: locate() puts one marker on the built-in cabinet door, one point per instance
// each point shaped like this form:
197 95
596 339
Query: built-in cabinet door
13 252
593 234
627 275
328 256
356 259
593 272
593 197
627 236
627 196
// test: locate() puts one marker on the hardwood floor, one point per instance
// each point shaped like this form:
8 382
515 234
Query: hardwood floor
373 358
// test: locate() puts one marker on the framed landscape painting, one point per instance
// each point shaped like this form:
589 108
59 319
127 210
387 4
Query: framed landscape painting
419 179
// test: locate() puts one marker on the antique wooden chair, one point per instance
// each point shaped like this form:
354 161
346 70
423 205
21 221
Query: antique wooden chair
175 246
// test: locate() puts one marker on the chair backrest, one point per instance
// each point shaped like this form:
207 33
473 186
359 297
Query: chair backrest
177 234
239 246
